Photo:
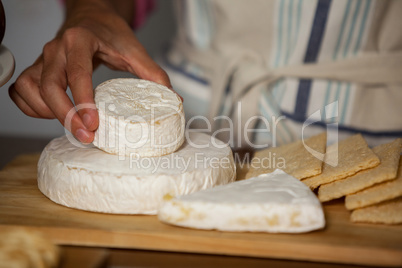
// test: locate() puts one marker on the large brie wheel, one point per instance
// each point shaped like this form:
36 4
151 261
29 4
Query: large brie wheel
138 117
90 179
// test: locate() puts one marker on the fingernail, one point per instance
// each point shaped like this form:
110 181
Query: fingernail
86 118
82 135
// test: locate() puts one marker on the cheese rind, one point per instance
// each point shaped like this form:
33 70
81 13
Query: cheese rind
274 202
90 179
138 117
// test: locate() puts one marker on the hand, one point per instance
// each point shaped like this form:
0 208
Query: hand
94 32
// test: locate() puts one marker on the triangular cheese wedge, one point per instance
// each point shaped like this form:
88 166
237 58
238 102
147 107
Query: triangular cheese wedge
274 202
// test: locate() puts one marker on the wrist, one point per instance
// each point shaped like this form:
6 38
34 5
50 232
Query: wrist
122 8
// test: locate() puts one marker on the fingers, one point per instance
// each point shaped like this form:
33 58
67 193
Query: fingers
52 91
146 68
22 105
132 56
79 76
41 90
26 94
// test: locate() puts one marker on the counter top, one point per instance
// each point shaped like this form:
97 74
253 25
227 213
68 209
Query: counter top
22 204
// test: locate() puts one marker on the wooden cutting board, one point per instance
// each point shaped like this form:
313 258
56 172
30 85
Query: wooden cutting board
23 205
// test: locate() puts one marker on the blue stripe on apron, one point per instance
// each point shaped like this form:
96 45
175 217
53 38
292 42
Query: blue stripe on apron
313 49
357 46
393 133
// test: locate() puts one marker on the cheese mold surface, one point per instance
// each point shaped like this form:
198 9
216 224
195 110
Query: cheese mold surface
138 117
89 179
274 202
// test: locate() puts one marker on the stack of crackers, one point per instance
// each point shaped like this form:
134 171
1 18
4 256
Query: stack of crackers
370 179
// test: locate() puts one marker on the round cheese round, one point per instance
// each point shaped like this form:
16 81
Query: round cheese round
138 117
87 178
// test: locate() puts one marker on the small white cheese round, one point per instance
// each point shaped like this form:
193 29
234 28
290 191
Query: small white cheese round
138 117
274 202
87 178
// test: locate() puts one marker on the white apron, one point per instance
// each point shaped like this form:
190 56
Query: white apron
280 65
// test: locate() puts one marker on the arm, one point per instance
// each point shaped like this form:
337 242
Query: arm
94 32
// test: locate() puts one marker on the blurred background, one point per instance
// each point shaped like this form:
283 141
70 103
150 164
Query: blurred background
29 25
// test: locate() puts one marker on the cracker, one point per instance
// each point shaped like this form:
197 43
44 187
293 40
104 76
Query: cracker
352 155
389 155
389 212
296 160
377 193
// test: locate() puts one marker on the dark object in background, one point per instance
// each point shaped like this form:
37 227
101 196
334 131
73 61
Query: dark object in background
2 22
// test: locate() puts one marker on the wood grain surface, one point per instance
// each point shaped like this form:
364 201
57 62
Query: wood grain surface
22 204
